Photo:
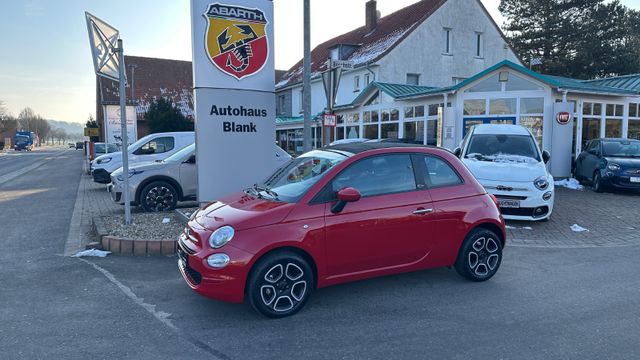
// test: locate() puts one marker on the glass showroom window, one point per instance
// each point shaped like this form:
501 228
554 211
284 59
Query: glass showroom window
371 131
502 106
532 116
352 126
613 123
475 107
592 113
339 127
432 132
634 122
389 130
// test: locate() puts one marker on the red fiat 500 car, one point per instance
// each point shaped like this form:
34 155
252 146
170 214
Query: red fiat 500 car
344 213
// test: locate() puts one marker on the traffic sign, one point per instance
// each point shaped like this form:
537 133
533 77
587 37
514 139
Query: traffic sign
344 64
329 120
91 132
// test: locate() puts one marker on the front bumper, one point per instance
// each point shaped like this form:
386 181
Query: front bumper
226 284
531 205
101 176
620 181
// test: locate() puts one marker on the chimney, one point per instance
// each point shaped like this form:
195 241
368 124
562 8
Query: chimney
371 14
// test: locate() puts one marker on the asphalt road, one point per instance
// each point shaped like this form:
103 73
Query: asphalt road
543 303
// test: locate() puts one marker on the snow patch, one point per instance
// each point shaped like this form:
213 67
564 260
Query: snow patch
569 183
92 252
578 228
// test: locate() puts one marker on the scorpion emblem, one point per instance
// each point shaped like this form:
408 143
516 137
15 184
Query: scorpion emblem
241 49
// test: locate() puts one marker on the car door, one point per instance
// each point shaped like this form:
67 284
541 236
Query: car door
450 204
591 159
188 177
388 227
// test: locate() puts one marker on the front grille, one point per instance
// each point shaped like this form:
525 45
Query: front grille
542 211
193 276
511 197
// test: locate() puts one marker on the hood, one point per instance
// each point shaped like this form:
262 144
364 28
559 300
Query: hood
625 162
114 156
242 211
506 171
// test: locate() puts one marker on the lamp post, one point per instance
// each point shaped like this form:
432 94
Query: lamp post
306 79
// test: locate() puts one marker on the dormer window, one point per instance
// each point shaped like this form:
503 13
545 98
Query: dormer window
335 53
342 51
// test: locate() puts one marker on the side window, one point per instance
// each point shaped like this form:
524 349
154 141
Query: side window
378 175
156 146
440 173
595 147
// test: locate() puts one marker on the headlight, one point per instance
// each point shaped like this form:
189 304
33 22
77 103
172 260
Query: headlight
541 183
103 161
221 236
131 173
218 261
613 167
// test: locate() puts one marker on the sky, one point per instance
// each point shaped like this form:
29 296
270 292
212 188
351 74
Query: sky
45 60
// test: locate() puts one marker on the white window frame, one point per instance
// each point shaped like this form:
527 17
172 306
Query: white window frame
356 83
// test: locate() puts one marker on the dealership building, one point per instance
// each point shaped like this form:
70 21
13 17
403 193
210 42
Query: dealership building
430 71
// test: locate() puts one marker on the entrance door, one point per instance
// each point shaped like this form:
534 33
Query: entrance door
469 122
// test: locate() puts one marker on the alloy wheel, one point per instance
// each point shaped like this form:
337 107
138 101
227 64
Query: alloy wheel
283 287
483 256
159 198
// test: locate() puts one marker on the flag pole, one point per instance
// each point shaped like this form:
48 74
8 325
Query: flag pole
124 135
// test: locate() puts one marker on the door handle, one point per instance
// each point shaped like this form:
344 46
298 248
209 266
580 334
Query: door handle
422 211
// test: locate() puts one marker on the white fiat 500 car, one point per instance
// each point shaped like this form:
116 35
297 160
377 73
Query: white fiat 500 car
152 147
159 185
507 161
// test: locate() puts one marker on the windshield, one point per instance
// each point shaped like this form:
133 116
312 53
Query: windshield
182 155
22 138
291 181
139 143
500 147
623 148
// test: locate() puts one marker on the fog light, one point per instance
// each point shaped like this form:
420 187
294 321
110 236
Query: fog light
546 196
218 261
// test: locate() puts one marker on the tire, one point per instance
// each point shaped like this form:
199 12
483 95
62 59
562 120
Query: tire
596 183
280 284
158 196
480 255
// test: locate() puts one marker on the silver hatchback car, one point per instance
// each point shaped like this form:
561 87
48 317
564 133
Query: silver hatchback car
159 185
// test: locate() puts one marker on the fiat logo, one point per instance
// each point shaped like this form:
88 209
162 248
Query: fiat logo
563 118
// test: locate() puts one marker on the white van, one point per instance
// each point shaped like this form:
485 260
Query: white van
158 146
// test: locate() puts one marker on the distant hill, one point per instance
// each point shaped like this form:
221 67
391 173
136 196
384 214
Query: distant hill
70 128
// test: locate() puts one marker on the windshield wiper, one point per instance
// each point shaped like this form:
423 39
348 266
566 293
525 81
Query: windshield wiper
261 188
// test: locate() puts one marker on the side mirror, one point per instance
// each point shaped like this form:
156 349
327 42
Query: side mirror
191 159
546 156
345 196
457 152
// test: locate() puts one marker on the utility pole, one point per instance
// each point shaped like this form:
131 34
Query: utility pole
123 129
306 79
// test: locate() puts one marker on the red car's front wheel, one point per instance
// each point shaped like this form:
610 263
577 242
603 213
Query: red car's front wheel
280 284
480 255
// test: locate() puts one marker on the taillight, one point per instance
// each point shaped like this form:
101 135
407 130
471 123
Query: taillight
495 200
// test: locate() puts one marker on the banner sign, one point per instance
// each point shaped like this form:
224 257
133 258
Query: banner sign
234 80
113 132
91 132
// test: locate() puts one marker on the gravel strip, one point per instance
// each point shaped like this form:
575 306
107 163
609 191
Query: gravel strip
145 226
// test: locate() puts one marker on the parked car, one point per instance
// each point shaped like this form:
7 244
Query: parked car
507 161
158 146
159 185
348 141
101 148
79 145
610 163
72 145
344 213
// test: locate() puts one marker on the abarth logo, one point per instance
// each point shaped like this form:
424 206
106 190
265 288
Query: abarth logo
236 39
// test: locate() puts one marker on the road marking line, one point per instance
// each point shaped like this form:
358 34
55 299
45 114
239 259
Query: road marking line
151 309
12 175
161 316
